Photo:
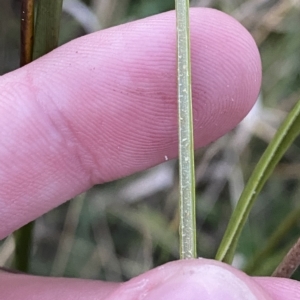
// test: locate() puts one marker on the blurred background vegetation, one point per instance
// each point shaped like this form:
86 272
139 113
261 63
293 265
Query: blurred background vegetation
123 228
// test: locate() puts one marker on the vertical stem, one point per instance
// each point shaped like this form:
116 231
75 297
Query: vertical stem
27 25
23 236
289 263
187 229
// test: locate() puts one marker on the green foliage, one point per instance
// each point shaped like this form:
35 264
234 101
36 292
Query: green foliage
284 137
145 8
47 26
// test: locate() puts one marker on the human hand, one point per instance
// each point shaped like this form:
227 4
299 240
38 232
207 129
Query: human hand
104 106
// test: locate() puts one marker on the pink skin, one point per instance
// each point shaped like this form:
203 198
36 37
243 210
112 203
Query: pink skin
104 106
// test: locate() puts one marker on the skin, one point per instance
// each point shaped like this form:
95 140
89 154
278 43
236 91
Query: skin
104 106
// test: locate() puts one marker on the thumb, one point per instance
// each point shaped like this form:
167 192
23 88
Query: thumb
191 279
203 279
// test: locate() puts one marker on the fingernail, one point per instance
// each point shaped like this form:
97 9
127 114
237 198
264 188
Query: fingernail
206 282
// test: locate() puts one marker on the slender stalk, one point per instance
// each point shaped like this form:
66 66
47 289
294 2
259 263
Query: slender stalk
284 137
23 236
27 26
289 263
187 229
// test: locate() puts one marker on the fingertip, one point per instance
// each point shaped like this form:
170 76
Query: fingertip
226 72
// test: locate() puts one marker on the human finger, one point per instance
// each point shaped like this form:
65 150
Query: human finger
104 106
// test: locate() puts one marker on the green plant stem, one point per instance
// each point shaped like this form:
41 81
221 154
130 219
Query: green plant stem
47 26
283 138
187 231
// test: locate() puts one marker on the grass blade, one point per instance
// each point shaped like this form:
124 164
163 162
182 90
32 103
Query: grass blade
283 138
47 26
187 229
23 239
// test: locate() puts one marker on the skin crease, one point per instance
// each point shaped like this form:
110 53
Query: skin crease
104 106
